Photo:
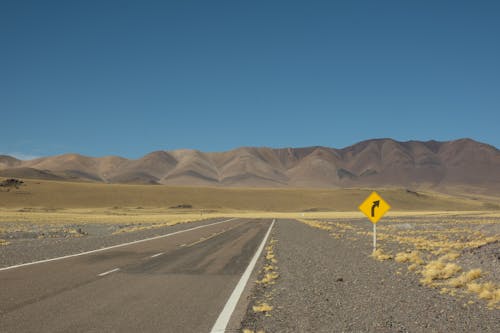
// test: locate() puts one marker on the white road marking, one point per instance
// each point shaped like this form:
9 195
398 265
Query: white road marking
109 272
224 317
157 255
112 247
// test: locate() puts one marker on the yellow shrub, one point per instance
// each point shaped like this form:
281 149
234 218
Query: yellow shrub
412 257
487 291
317 224
437 270
269 268
465 278
269 278
380 255
474 287
412 267
264 307
450 256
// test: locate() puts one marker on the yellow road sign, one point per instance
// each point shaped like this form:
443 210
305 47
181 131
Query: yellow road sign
374 207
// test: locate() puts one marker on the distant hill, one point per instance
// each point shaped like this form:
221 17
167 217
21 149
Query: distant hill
464 163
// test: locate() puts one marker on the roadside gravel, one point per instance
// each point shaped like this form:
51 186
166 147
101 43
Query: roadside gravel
25 248
332 285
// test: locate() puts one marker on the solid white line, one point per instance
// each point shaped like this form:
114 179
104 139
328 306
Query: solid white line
112 247
109 272
221 323
156 255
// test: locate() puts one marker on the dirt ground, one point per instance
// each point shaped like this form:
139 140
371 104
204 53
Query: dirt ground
327 280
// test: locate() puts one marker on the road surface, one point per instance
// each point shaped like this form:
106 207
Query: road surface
178 283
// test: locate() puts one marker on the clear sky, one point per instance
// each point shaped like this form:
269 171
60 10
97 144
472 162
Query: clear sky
129 77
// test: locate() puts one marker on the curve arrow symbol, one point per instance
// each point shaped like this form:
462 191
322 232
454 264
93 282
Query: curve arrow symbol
375 204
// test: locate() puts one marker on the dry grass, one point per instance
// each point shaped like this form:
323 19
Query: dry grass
269 277
452 255
379 255
109 215
413 257
270 268
432 245
138 207
317 224
413 267
262 307
135 215
132 219
58 194
438 270
465 278
488 291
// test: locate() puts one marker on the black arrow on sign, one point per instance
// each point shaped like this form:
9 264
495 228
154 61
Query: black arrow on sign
375 204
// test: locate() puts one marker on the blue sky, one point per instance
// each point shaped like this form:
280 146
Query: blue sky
129 77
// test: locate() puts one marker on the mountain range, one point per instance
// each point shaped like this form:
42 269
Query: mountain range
371 163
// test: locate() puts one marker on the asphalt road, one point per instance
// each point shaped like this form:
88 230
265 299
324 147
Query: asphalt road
178 283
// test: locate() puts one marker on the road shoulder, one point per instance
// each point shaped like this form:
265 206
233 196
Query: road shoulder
333 285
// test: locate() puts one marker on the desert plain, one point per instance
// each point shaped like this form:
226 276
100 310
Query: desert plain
439 250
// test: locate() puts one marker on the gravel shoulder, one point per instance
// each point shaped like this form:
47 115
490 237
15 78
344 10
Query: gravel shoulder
42 243
333 285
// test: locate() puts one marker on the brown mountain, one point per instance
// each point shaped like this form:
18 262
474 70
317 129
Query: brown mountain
8 162
462 163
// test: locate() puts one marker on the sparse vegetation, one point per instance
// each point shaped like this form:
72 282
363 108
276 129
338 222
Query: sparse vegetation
11 182
269 278
465 278
59 194
488 291
413 257
380 255
428 249
262 307
182 206
269 274
438 270
317 224
432 246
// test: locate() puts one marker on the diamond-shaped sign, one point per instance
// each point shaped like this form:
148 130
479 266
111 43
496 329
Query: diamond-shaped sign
374 207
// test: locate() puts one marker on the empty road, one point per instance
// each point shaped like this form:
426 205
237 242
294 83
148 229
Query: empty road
177 283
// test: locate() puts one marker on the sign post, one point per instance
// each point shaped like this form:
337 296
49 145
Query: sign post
374 207
374 236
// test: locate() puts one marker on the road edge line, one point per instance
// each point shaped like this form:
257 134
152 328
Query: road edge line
226 313
111 247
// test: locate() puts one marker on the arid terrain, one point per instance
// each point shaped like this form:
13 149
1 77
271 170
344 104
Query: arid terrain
250 167
433 273
42 208
436 268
